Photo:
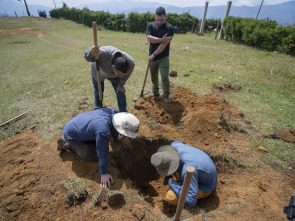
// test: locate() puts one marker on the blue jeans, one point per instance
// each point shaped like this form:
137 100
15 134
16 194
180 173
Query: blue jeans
121 97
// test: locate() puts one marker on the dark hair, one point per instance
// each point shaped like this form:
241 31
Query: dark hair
121 64
160 11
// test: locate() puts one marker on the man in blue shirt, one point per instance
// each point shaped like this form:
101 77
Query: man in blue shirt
175 159
88 134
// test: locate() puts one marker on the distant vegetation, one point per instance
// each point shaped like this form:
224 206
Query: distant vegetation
262 34
256 33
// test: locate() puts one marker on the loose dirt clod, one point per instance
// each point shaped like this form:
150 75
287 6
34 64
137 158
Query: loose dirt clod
115 198
100 196
76 191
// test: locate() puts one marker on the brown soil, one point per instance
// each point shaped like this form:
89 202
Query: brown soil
32 170
21 30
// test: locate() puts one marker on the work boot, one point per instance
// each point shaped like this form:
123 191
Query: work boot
60 146
156 97
167 100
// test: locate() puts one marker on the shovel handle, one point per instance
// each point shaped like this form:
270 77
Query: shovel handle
186 184
97 66
146 73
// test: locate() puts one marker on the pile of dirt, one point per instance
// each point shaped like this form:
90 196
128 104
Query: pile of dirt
32 171
192 119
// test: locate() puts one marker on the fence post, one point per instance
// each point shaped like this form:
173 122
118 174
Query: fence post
201 32
217 28
226 14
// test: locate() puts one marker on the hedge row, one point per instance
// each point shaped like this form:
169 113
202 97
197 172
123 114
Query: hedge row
260 33
134 22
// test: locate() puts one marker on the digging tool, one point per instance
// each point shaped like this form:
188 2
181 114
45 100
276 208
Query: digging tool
97 64
147 71
186 184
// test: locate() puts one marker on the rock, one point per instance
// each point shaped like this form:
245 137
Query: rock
173 74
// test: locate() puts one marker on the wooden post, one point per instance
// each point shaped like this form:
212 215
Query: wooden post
193 25
201 32
97 66
15 13
186 184
15 118
217 28
259 9
198 25
226 14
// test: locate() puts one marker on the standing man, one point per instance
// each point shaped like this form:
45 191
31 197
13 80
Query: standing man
87 135
159 34
116 66
175 159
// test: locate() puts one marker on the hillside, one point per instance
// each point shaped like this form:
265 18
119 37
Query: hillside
232 101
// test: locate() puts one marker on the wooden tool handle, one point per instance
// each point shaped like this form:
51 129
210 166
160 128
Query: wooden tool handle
146 73
186 184
97 66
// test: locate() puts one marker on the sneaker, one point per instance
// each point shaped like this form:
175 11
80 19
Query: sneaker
60 142
167 100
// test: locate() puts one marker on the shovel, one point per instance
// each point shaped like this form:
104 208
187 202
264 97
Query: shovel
97 64
142 93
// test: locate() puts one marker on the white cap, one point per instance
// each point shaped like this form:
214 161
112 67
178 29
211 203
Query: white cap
126 124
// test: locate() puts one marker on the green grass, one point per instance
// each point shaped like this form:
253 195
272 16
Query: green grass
33 76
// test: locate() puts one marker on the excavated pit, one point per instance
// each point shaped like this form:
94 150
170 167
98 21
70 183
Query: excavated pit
132 158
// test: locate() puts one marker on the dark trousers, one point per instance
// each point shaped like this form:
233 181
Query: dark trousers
85 150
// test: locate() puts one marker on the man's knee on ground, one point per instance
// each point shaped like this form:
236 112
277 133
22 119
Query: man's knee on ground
172 198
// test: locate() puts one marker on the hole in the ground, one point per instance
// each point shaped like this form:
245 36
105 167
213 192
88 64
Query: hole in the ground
132 158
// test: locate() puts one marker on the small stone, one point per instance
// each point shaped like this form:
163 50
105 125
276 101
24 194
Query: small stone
173 74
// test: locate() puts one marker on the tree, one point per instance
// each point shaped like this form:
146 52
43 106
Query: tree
26 7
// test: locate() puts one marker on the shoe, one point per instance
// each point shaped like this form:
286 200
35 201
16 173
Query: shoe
167 100
156 97
60 143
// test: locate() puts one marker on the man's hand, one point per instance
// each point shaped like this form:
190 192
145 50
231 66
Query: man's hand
105 180
151 57
167 180
120 136
95 51
122 89
166 39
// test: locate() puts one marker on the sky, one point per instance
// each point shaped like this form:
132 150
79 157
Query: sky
179 3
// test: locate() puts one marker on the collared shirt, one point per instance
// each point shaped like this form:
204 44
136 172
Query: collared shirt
154 30
106 57
95 126
204 177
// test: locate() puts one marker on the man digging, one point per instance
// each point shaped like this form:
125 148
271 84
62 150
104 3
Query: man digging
87 135
174 159
114 65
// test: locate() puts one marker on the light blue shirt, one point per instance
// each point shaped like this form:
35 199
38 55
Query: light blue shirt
204 177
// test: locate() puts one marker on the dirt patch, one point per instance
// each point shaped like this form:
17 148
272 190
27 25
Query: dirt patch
32 171
21 30
226 87
286 134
